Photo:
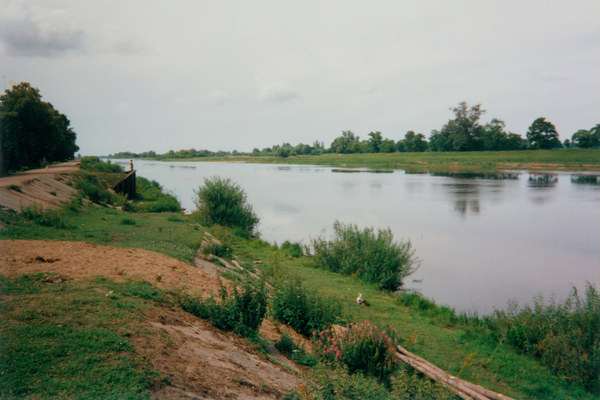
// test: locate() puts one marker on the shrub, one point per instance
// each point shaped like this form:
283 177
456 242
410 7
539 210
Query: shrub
128 221
293 249
372 258
223 202
95 164
566 337
219 250
241 312
152 198
304 311
49 218
14 187
362 347
287 346
173 218
97 191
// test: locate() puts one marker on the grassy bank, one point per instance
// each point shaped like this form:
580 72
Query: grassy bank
466 347
538 160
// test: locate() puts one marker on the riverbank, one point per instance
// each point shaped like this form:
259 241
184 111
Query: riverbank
584 160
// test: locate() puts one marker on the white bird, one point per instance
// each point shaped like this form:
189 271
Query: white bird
361 301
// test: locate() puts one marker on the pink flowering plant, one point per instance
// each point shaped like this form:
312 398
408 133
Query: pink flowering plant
361 347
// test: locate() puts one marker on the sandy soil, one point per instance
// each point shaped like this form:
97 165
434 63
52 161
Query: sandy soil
202 362
38 186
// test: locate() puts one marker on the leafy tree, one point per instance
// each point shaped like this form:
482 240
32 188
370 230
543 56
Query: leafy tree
587 139
375 142
32 131
542 134
415 143
347 143
223 202
463 133
387 146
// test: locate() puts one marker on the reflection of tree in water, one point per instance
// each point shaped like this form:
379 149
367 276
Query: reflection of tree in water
468 188
585 179
542 181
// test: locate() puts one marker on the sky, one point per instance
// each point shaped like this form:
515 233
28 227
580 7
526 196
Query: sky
237 75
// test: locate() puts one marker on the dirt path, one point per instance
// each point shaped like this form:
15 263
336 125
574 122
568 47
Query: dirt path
202 362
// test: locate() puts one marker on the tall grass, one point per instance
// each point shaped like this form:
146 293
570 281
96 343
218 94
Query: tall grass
303 310
241 311
374 258
97 191
151 197
48 218
566 337
94 164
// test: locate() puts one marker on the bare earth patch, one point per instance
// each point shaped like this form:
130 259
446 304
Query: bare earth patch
201 361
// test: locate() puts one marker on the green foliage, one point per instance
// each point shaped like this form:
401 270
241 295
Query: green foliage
67 341
97 191
94 164
49 218
293 249
303 310
542 135
361 347
222 250
587 139
372 258
414 143
32 131
566 337
463 133
14 187
241 312
128 221
223 202
151 197
287 346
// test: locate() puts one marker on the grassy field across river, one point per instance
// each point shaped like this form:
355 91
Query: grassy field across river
535 160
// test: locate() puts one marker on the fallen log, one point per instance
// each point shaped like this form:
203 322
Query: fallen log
475 391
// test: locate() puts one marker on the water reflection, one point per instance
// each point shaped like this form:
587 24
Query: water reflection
585 179
371 171
542 181
477 175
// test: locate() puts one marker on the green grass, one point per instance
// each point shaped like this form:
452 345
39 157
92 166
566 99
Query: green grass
72 340
565 159
424 328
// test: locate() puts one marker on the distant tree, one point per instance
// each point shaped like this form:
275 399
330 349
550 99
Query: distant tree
414 143
342 144
375 142
567 143
587 139
387 146
463 133
32 131
542 134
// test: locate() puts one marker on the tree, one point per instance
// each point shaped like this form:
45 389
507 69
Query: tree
587 139
344 144
414 143
32 131
375 142
463 133
387 146
542 134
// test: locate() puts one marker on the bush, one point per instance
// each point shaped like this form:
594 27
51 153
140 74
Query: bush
219 250
287 346
128 221
95 164
362 347
566 337
152 198
49 218
223 202
241 312
293 249
372 258
97 191
304 311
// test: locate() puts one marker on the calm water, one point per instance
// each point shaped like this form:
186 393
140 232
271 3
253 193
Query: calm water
482 239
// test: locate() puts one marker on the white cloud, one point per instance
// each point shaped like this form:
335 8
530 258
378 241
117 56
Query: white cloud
39 31
275 91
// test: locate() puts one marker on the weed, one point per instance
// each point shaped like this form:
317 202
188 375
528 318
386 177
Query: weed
173 218
287 346
128 221
303 310
49 218
293 249
14 187
95 164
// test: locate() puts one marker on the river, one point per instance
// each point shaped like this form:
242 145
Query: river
482 238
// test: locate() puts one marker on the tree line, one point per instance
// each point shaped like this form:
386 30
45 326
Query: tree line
32 132
464 132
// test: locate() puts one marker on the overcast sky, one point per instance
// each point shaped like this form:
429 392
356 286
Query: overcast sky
225 75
